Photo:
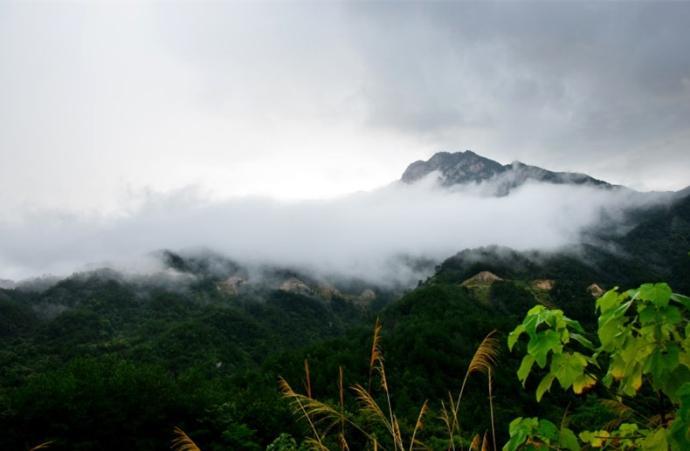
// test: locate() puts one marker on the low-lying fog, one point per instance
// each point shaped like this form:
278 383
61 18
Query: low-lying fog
360 235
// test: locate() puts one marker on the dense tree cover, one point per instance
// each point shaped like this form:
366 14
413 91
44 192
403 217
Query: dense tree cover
99 363
211 365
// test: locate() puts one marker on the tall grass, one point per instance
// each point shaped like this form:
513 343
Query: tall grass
330 424
182 442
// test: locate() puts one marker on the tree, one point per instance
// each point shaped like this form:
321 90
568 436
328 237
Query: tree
641 349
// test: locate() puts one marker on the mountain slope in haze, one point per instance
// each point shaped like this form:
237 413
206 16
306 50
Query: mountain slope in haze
654 249
467 167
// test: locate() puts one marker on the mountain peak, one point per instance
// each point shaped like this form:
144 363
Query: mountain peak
457 167
468 167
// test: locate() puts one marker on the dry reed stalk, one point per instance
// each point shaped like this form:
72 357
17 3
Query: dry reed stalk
419 425
483 360
449 426
476 443
369 406
375 355
485 444
491 410
307 378
299 405
182 442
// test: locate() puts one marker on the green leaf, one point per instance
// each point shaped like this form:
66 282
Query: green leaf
540 345
673 381
514 335
672 315
582 340
516 440
568 440
655 441
515 425
532 321
658 293
609 327
661 363
647 314
525 368
608 300
547 430
594 438
583 382
680 429
544 385
684 300
520 429
574 325
567 367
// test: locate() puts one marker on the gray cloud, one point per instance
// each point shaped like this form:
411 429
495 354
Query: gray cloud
561 83
596 87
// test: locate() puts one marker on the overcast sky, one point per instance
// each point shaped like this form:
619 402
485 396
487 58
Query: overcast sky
102 102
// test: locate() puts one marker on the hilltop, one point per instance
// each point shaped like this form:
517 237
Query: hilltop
466 167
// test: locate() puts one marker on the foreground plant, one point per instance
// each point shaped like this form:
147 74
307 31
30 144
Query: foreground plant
182 442
334 425
643 340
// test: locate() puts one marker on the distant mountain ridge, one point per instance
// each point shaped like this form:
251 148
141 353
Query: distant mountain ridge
468 167
7 284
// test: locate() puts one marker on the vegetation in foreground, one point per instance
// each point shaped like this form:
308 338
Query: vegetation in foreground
641 358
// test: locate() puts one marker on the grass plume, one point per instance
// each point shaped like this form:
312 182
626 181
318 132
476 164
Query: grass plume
483 361
375 355
331 423
182 442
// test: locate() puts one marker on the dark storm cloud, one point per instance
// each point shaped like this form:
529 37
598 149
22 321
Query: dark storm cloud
564 81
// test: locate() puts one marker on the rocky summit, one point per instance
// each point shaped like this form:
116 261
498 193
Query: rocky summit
468 167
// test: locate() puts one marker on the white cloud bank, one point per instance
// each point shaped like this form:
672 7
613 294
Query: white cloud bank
357 235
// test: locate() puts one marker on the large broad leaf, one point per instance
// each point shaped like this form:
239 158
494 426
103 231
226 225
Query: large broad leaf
567 367
541 344
568 440
658 293
515 442
684 300
520 429
525 368
547 431
544 385
583 382
584 341
662 363
609 300
533 320
609 327
595 438
514 335
680 430
656 441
